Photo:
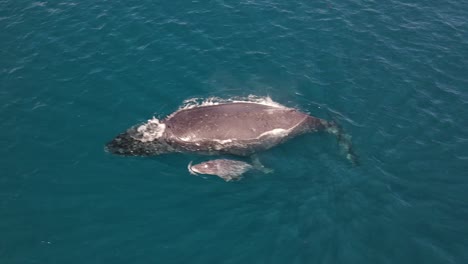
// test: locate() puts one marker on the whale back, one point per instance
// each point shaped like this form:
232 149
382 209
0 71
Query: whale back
236 128
232 121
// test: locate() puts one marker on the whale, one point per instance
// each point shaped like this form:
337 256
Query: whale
227 169
232 128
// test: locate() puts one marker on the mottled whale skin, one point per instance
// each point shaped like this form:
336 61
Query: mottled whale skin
237 128
226 169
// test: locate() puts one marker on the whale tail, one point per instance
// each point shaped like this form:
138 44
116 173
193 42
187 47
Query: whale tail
259 166
344 140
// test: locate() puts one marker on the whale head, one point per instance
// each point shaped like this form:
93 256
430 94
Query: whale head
135 142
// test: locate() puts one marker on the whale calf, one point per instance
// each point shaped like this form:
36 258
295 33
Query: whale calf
224 168
235 128
227 169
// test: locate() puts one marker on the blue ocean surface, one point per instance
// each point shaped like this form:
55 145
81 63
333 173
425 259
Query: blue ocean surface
393 74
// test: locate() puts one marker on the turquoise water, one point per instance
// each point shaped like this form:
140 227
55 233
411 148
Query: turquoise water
393 73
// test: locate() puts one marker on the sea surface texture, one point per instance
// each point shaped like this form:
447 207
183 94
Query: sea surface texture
393 74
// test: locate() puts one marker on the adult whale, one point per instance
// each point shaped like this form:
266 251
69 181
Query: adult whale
237 128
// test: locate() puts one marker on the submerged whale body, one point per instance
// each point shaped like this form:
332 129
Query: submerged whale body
237 128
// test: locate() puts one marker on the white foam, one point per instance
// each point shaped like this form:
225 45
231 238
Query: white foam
197 102
192 170
252 99
150 131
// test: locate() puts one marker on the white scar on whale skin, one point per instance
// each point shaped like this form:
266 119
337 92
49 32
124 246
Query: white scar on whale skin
150 131
225 141
274 133
277 132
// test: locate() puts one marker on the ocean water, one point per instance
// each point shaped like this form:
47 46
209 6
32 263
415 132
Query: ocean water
393 74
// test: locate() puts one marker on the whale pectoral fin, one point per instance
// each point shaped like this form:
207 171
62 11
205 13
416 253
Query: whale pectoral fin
259 166
231 176
266 170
